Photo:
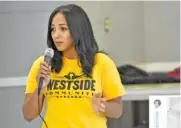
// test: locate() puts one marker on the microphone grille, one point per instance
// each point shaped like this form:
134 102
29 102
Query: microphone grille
49 52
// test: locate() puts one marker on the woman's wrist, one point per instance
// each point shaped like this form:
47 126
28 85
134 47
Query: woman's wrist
41 90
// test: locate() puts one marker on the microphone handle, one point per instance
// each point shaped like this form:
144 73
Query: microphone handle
40 85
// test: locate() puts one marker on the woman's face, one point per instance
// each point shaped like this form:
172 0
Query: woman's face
60 33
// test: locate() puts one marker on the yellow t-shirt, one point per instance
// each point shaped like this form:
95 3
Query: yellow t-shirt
69 95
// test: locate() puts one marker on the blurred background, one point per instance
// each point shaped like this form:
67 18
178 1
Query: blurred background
143 34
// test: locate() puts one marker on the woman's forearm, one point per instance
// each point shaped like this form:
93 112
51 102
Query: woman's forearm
30 107
113 109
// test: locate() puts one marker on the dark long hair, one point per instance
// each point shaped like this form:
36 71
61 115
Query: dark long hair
82 34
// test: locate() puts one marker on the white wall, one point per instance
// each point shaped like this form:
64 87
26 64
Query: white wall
125 42
162 31
141 31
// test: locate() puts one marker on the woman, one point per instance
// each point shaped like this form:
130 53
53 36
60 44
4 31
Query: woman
82 86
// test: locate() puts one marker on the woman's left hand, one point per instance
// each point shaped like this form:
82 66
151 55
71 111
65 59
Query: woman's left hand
99 103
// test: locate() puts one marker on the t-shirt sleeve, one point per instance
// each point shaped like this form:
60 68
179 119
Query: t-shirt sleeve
31 83
112 86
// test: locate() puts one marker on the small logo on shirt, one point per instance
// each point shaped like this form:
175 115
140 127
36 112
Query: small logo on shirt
72 76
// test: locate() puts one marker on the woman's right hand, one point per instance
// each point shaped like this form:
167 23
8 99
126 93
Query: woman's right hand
44 72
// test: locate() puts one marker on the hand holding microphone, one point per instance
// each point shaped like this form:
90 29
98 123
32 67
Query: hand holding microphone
43 74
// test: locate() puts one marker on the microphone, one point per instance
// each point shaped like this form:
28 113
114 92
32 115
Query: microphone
48 55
